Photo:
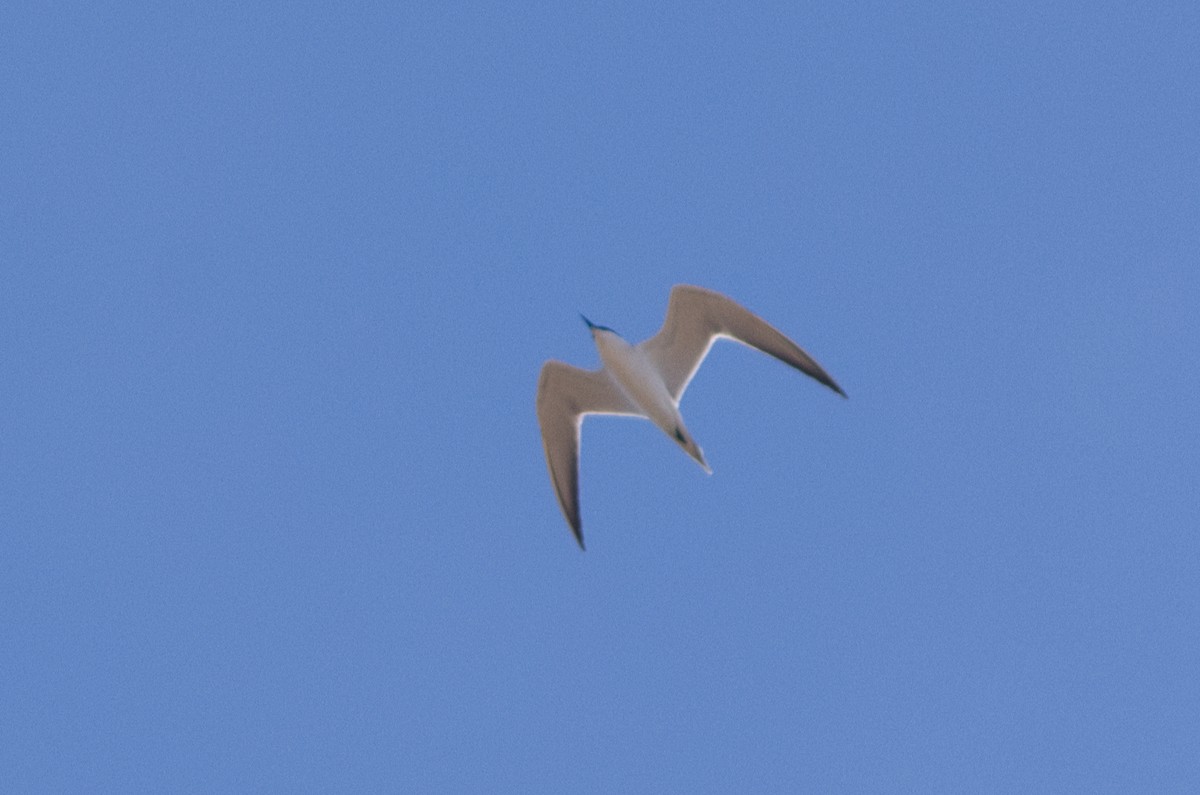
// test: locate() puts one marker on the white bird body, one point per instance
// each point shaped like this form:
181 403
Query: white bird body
648 380
641 382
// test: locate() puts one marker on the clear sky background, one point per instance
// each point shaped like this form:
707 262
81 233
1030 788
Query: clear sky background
276 281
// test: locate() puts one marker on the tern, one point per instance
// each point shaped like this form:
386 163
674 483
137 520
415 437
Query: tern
648 380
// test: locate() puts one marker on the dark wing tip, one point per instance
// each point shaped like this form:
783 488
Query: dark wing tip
819 374
579 537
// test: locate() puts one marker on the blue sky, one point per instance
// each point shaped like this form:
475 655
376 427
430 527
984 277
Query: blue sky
276 282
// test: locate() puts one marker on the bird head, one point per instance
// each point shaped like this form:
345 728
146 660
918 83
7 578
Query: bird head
593 327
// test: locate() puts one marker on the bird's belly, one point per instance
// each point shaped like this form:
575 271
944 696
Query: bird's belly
643 385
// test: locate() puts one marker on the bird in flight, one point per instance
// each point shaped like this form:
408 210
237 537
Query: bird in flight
648 380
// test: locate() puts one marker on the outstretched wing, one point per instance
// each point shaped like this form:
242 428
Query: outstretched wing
696 317
565 394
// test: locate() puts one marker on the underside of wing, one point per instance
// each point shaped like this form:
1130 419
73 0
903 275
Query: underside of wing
684 339
696 317
565 394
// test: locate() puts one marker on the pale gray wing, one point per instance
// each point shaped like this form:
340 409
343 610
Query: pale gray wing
696 317
564 395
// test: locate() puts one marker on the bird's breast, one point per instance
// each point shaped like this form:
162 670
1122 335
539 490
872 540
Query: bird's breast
638 378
